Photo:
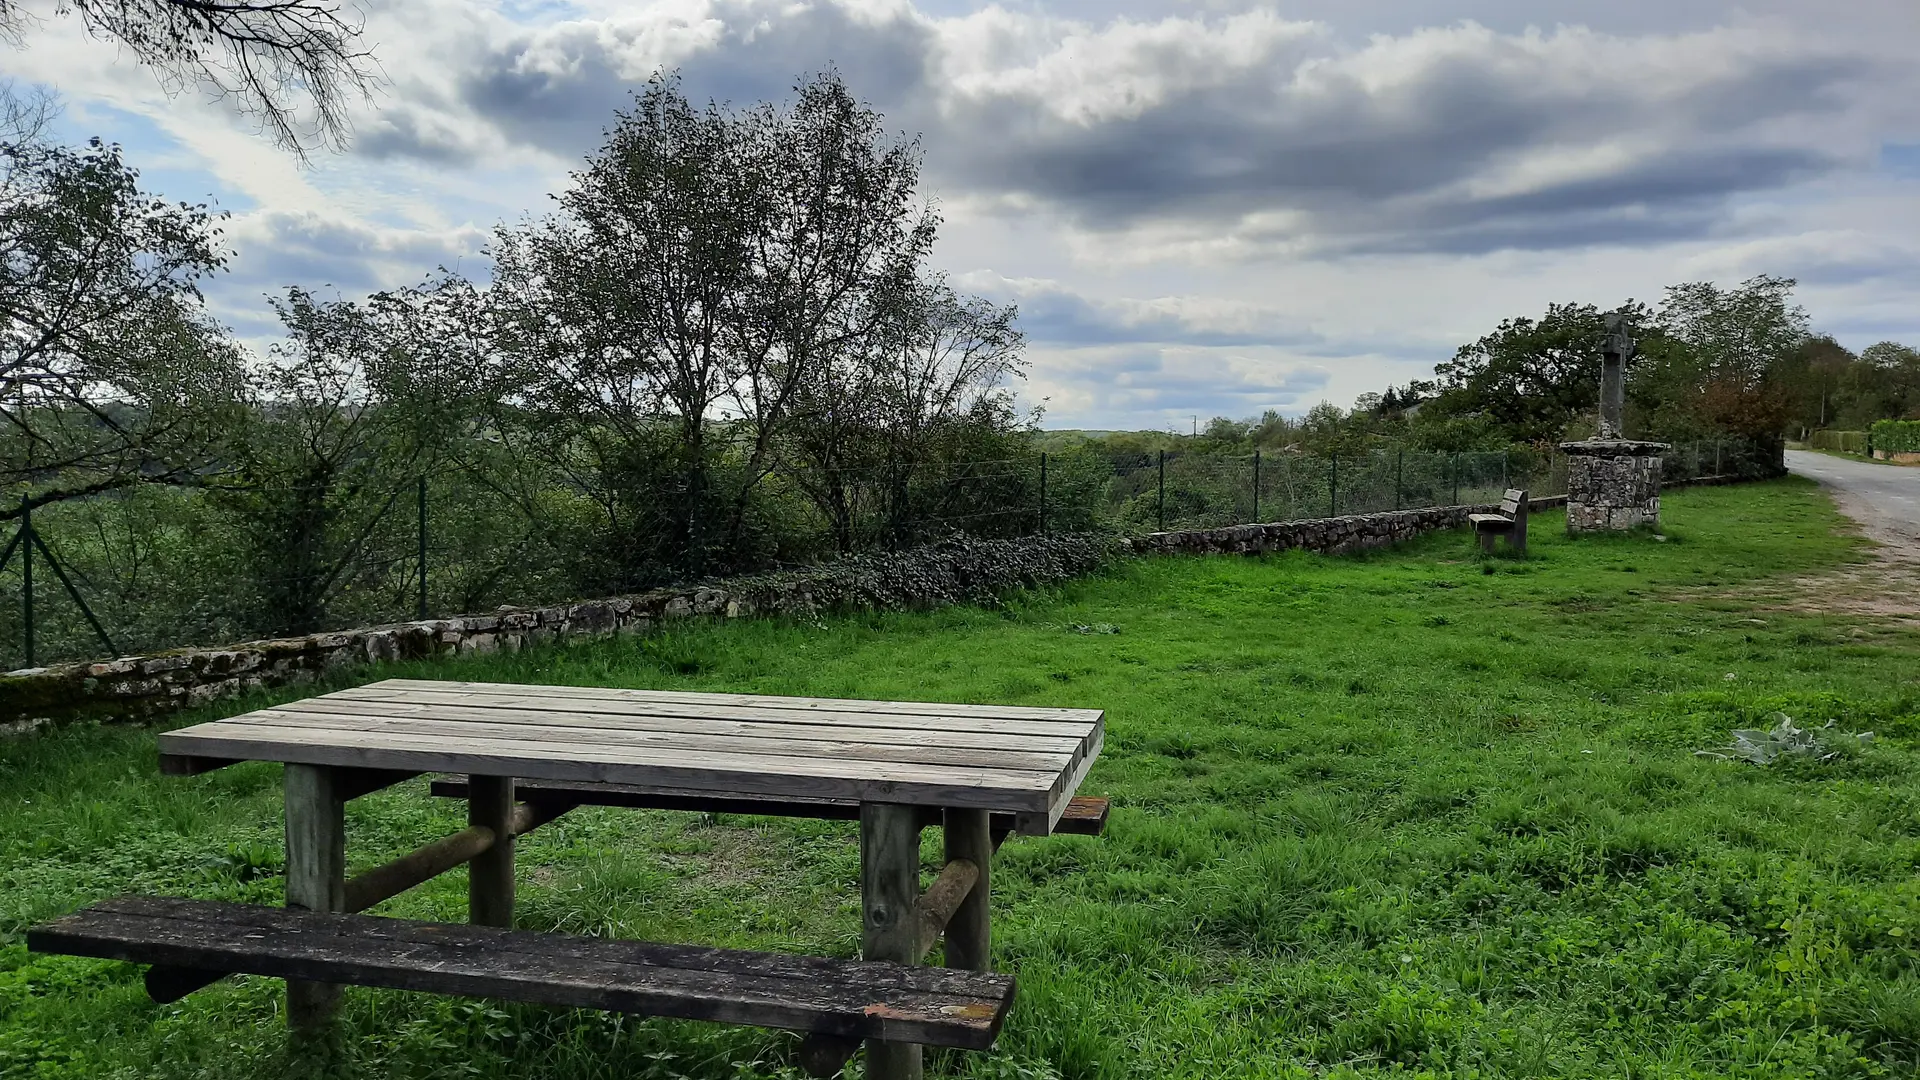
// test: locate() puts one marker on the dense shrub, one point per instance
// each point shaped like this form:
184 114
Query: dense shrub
958 570
1897 436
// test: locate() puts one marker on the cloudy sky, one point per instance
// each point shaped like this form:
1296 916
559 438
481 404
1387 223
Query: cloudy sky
1202 208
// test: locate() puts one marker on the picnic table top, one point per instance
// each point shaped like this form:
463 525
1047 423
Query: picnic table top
1013 759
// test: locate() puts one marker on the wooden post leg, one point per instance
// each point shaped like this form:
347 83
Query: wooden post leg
316 876
969 942
490 874
1486 541
889 885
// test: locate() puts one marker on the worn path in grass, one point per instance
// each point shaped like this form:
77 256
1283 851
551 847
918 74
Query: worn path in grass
1884 500
1410 813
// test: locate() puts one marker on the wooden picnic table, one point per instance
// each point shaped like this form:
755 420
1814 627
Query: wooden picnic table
974 769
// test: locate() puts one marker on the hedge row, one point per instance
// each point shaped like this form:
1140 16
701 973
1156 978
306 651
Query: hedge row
1848 442
1897 436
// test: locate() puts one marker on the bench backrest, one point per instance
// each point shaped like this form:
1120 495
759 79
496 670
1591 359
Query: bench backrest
1514 502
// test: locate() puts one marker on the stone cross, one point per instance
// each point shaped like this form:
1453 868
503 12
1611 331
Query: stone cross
1613 377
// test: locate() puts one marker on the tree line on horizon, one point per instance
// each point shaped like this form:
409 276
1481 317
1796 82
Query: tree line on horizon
1711 362
724 349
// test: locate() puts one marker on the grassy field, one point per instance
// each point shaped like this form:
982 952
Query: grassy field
1414 813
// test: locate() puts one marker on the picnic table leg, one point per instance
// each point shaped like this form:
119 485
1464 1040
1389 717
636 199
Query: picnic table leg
490 874
889 886
969 942
316 876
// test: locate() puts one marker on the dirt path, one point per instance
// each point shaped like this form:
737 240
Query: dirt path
1885 501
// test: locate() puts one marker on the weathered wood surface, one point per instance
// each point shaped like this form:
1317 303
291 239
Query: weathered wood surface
1510 522
1084 815
490 888
959 882
968 840
890 930
383 882
316 876
852 998
1013 760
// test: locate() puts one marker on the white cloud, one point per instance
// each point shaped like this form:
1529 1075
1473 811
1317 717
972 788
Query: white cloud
1199 207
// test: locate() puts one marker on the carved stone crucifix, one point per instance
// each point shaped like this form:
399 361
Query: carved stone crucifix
1614 352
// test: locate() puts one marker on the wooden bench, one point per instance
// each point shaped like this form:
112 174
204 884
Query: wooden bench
1511 522
1085 815
845 999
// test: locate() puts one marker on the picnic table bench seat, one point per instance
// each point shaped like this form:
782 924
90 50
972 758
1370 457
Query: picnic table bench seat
854 999
1510 522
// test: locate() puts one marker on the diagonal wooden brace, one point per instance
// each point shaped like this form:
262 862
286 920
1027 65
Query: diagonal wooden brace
165 984
825 1055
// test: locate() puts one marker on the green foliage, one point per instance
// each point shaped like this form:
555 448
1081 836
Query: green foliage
1847 442
1526 380
1896 436
112 374
1374 816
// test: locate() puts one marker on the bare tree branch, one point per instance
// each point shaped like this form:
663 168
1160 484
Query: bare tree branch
294 65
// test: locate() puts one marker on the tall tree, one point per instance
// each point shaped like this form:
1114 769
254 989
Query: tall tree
1723 354
111 371
1529 378
705 268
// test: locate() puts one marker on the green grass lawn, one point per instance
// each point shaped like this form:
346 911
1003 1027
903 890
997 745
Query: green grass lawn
1412 812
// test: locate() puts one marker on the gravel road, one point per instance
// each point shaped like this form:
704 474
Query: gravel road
1884 499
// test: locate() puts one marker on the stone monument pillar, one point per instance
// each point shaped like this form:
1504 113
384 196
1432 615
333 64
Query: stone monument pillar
1613 482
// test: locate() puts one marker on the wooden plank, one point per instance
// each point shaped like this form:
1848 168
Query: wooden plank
1085 815
240 920
994 789
490 874
462 727
842 997
191 765
383 882
730 701
316 877
707 721
1063 791
889 888
357 782
364 744
650 797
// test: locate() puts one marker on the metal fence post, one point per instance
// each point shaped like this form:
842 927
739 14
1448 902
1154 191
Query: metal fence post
1256 486
1160 504
1716 457
1333 485
1453 466
421 607
26 574
1043 491
1399 465
1506 457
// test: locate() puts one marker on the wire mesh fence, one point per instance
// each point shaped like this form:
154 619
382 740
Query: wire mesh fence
157 568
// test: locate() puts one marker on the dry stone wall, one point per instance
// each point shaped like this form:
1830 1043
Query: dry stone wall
1339 534
961 570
